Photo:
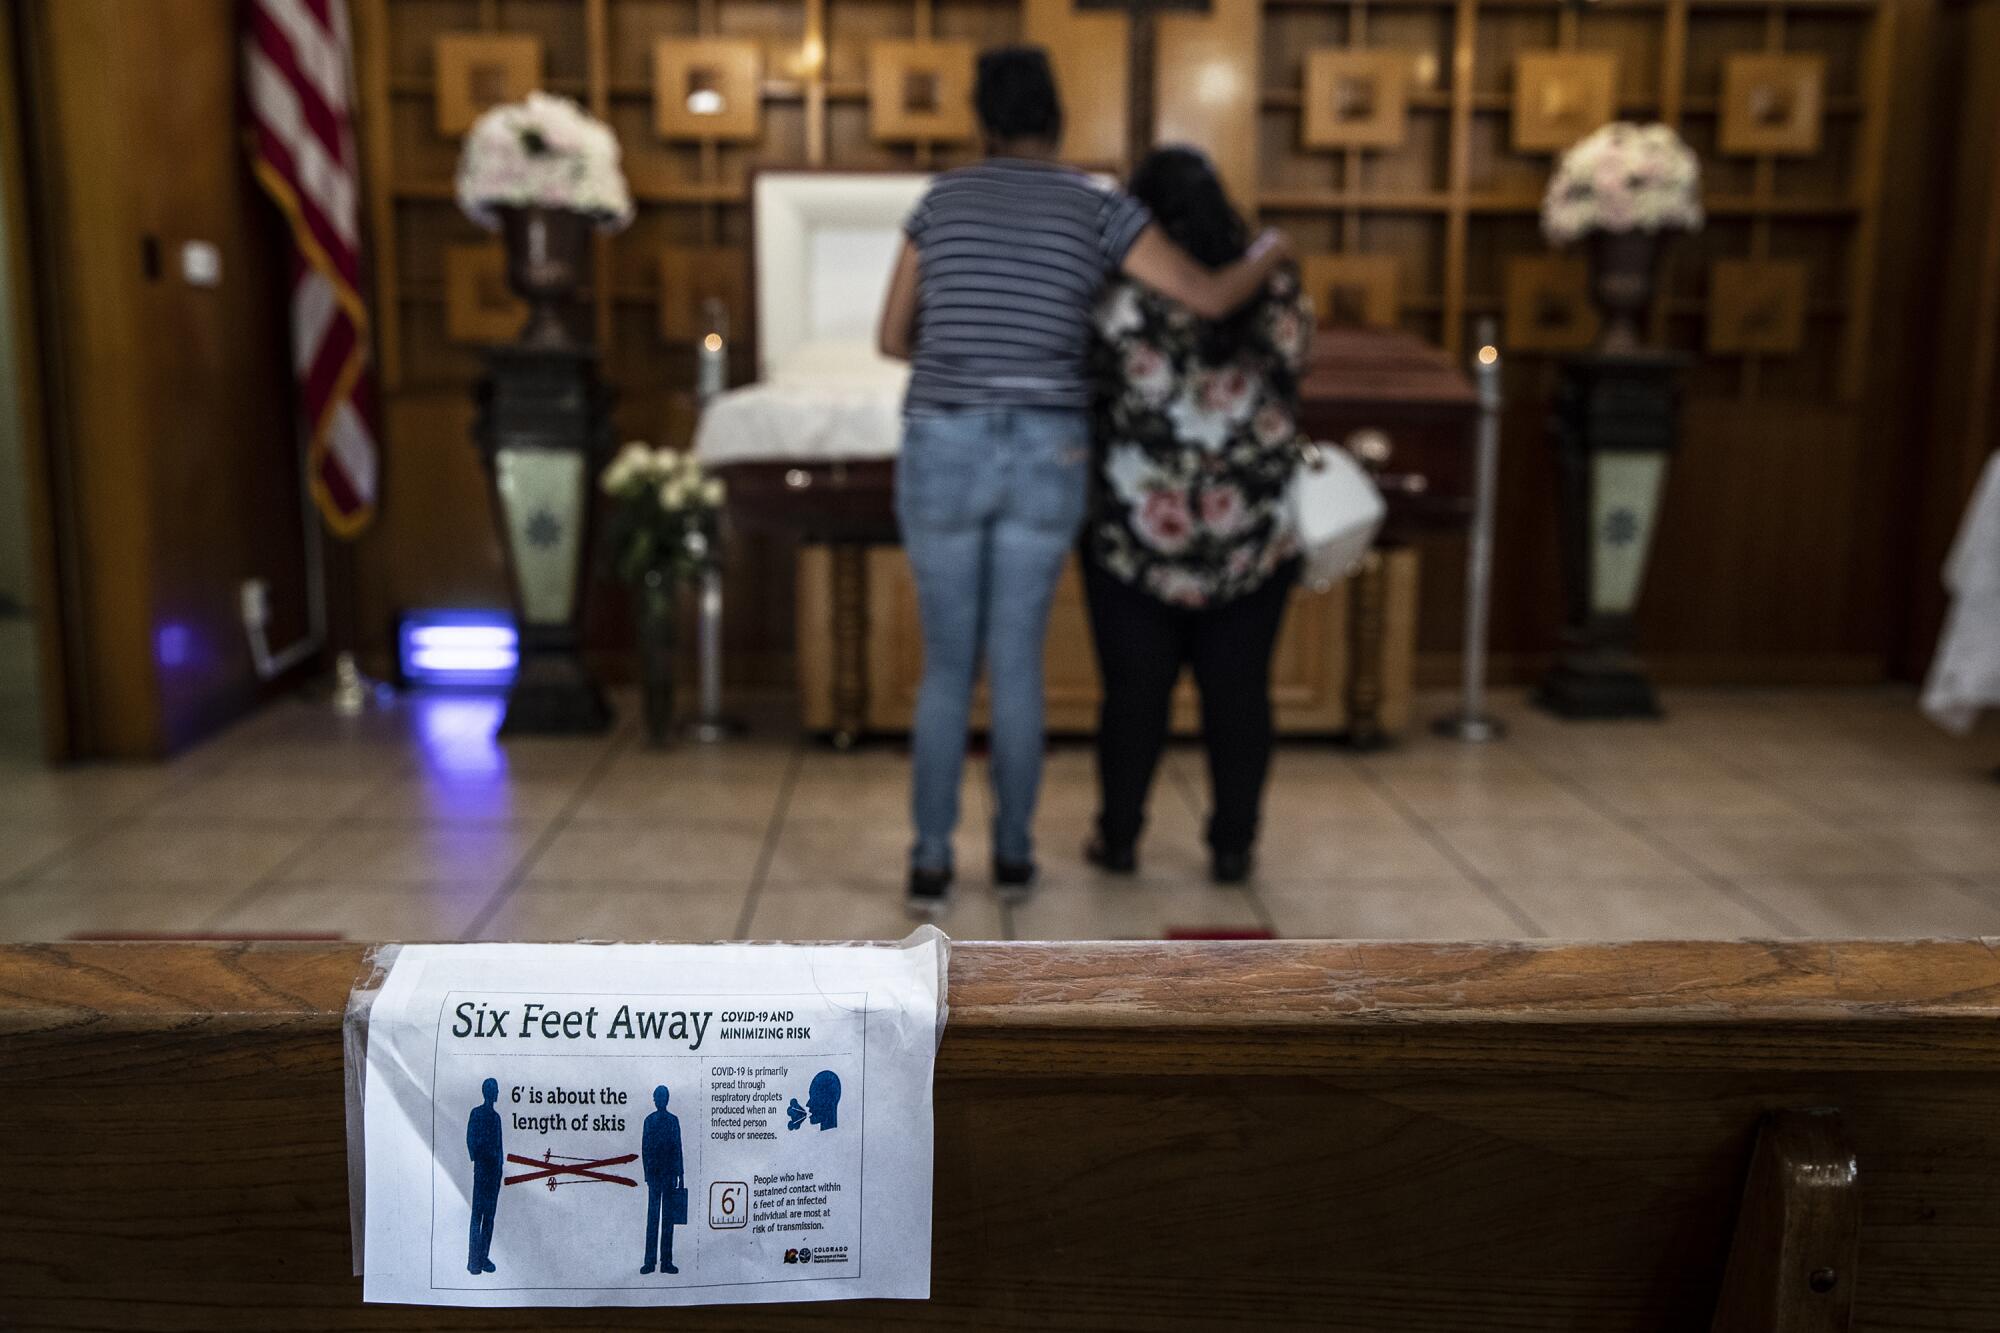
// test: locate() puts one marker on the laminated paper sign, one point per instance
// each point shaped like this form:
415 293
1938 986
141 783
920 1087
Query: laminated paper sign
650 1124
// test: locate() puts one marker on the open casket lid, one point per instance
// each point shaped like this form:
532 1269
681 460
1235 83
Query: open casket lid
822 247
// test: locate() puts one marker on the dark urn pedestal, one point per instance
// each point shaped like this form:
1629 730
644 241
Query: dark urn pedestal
544 431
1615 423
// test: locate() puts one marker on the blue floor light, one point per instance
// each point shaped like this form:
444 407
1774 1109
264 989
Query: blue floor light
458 649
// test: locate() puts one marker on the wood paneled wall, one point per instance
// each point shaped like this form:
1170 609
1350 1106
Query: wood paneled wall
1089 52
170 403
1958 379
1768 565
37 539
1205 87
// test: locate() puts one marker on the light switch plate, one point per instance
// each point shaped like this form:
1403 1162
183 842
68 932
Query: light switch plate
201 264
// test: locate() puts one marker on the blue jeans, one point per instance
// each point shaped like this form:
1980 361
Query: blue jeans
989 501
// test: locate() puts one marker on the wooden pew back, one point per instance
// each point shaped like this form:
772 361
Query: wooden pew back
1352 1136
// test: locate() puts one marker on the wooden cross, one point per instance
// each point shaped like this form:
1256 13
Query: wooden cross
1142 43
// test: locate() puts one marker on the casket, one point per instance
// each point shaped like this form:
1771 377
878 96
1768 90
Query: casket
1400 405
809 450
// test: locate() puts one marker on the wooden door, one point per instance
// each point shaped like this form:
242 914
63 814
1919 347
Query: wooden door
171 403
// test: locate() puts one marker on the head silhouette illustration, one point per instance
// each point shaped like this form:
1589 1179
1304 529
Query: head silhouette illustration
490 1089
823 1100
660 1097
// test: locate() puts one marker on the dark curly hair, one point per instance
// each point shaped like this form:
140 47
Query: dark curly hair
1015 94
1186 197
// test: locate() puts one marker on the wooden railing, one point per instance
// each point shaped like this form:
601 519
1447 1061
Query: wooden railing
1355 1136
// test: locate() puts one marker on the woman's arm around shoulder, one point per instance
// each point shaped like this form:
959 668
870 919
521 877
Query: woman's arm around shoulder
1211 294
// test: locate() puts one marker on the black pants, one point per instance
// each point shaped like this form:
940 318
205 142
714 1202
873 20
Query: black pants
1142 643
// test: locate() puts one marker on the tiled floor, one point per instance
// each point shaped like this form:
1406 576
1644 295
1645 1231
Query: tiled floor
1745 813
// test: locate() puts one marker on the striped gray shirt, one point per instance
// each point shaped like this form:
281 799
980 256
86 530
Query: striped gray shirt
1011 256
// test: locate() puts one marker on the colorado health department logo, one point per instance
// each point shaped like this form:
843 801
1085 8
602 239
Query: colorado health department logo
824 1254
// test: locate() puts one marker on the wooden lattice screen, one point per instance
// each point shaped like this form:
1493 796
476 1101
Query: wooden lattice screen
1447 214
1406 145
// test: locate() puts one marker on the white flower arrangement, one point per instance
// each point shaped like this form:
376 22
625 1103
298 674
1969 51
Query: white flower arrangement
677 479
544 152
1621 178
667 515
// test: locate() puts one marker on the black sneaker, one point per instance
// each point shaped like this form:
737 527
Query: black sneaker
1118 860
1013 878
1229 867
930 891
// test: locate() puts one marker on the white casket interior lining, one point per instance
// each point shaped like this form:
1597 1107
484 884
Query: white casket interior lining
823 247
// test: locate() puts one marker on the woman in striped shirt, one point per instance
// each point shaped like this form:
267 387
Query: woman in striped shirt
990 301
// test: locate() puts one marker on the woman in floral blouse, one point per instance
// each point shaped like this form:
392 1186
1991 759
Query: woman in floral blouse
1189 556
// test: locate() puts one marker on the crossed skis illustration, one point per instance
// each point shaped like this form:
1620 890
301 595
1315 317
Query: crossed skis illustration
555 1166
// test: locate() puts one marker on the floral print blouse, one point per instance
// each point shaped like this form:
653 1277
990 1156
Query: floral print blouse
1194 460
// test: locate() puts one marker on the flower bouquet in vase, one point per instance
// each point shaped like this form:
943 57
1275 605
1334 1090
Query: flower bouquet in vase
665 531
1624 189
544 173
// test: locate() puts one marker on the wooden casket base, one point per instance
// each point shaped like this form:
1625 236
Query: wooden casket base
860 651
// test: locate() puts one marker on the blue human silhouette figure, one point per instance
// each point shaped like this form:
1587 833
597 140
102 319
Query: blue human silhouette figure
666 1182
823 1100
822 1103
482 1145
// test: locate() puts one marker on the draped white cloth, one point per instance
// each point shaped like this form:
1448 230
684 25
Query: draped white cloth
833 403
1965 675
824 243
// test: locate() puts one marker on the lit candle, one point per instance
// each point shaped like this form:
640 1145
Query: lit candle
712 354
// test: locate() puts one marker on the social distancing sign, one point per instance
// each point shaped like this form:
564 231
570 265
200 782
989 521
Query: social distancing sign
650 1124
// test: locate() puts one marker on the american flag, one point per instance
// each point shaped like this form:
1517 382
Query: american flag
296 77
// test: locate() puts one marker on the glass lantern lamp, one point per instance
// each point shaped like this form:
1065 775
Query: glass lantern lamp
544 431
